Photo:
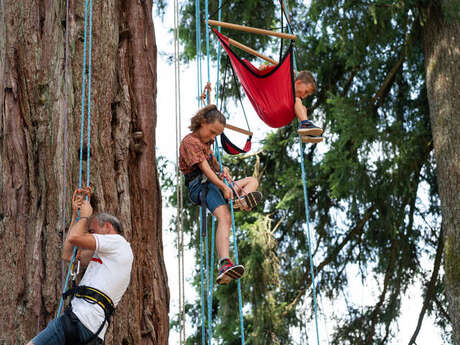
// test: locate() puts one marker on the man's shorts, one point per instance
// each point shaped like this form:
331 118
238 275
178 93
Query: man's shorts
54 333
214 197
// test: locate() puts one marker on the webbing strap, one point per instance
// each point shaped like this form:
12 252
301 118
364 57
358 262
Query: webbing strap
93 296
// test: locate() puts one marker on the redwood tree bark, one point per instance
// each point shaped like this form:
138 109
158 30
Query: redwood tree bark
122 168
442 63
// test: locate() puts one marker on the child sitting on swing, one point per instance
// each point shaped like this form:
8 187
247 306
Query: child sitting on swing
202 171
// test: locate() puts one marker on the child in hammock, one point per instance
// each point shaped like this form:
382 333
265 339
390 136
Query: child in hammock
201 170
304 86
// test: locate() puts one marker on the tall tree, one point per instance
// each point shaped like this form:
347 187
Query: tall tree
441 43
373 192
33 108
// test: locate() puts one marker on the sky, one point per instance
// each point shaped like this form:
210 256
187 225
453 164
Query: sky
166 146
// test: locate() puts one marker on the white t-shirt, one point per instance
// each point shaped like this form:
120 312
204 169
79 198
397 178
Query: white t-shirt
108 271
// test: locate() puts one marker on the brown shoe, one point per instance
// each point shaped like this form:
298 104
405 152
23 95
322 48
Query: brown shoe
248 201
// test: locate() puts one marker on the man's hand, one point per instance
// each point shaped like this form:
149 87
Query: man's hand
78 197
86 210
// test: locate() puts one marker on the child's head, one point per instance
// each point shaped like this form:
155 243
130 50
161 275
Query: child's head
305 84
207 123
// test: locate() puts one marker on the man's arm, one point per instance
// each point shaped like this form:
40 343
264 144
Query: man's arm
80 237
78 234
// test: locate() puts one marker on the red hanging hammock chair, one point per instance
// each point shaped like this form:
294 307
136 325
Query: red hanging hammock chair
231 148
271 91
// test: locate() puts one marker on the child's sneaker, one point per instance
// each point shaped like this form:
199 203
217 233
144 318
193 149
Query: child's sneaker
309 139
228 271
248 201
308 128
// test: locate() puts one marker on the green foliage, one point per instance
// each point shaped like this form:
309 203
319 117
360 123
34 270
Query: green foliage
364 190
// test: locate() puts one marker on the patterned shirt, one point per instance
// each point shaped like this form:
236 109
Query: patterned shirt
192 152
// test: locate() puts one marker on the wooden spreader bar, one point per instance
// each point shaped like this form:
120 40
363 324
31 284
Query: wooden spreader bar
251 51
251 29
240 130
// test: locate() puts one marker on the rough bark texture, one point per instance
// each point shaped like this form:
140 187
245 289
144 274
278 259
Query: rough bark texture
442 62
123 169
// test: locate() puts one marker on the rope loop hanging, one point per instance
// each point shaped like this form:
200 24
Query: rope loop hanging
88 30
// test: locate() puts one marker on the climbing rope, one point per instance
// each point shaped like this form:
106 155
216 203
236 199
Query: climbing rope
82 124
179 189
207 263
305 194
64 163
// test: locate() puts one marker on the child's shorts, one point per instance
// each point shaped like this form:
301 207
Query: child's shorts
214 198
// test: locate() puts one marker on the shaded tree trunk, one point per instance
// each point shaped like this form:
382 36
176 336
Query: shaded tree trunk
442 62
122 171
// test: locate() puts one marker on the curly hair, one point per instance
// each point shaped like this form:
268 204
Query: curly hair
307 78
208 114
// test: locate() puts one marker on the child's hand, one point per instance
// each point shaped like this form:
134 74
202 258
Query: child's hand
226 174
227 192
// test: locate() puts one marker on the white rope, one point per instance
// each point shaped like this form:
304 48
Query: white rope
179 190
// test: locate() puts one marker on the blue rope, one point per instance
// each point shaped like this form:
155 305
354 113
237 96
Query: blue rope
307 209
203 337
74 252
235 245
218 57
89 95
211 281
198 49
198 71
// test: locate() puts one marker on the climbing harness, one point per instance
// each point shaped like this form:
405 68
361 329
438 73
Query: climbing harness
92 296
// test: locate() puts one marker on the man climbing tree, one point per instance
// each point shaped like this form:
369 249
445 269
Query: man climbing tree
101 247
38 161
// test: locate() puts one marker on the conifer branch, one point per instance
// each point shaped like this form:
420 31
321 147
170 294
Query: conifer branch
357 229
384 89
431 285
386 281
441 308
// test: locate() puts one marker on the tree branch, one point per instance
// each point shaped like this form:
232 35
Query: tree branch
357 229
431 285
383 294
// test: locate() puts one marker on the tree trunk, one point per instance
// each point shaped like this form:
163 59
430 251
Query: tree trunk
442 63
122 168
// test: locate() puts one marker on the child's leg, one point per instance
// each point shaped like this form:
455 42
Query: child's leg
224 222
306 128
300 110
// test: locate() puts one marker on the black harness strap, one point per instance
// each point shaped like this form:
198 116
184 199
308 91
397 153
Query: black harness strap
93 296
203 194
